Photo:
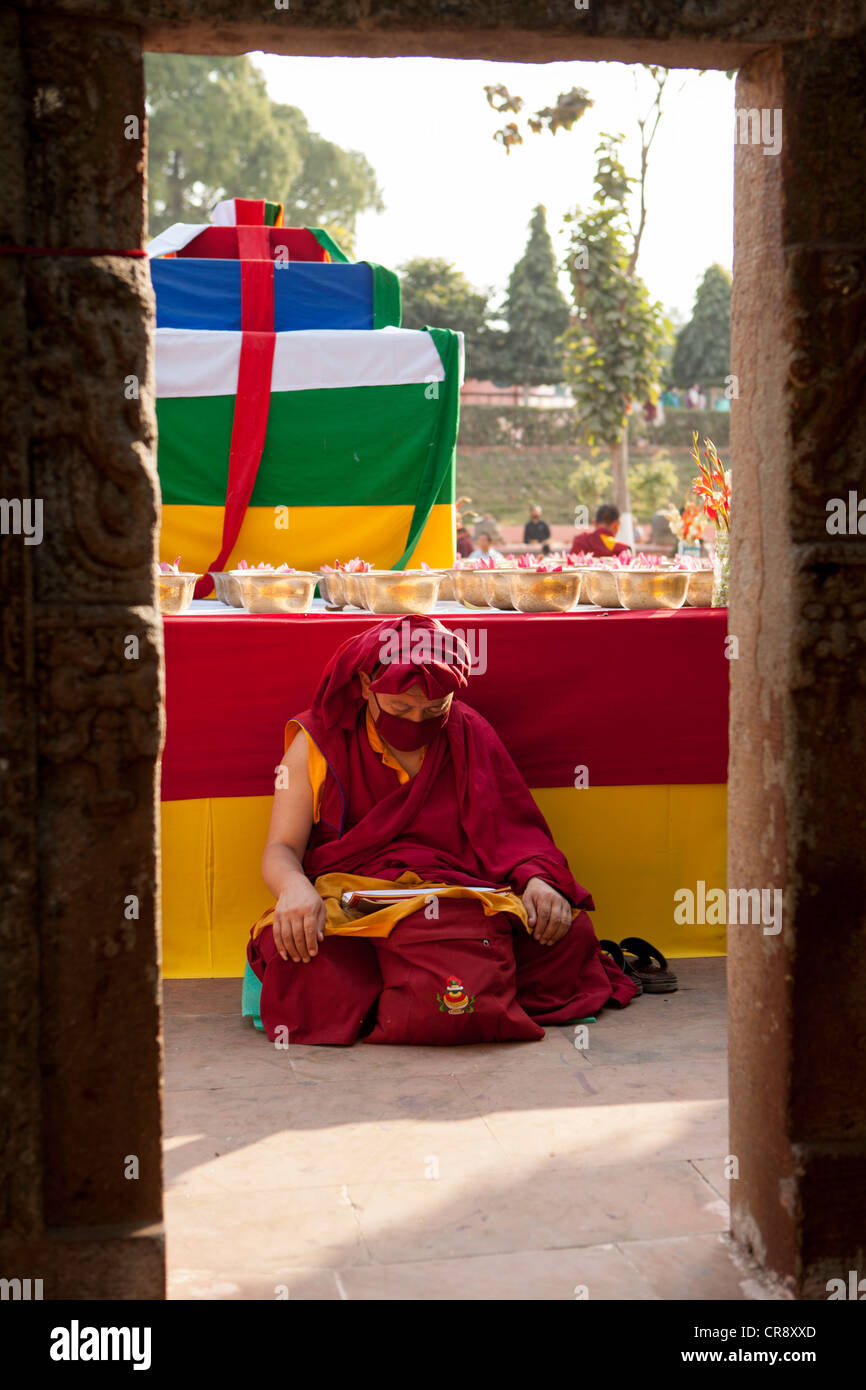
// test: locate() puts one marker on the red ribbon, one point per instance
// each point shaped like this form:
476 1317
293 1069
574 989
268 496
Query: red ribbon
250 211
252 402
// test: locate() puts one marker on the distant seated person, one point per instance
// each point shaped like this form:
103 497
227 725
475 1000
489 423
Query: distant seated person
391 782
602 540
536 531
484 548
661 537
464 543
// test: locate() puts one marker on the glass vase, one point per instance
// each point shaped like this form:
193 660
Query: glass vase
721 569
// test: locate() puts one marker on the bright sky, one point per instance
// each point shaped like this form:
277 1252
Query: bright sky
451 191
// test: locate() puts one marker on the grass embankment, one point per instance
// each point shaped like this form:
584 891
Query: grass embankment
506 482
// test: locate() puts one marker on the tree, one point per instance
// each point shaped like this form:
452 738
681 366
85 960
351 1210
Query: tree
606 372
652 484
591 484
613 349
436 293
537 314
213 133
703 350
333 185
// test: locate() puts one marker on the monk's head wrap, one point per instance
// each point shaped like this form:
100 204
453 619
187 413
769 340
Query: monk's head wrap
396 654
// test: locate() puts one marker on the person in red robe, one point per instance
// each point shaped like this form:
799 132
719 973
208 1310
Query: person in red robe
388 780
601 541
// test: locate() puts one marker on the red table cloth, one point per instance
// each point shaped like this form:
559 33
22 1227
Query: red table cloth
635 698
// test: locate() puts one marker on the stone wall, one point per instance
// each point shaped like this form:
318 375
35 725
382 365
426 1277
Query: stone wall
81 678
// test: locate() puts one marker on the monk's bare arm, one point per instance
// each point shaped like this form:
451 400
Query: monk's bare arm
299 915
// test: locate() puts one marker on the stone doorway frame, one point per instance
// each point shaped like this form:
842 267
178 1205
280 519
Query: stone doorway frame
82 689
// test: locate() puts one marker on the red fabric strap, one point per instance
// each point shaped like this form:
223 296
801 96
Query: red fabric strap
250 212
254 243
252 403
222 244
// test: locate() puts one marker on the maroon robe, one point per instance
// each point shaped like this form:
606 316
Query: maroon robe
467 816
591 543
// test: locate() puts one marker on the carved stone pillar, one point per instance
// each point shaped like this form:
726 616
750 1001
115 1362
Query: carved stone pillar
82 668
798 709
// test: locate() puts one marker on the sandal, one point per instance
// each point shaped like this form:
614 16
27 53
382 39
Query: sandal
646 963
611 949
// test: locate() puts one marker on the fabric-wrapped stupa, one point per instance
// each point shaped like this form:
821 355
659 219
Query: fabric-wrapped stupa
297 421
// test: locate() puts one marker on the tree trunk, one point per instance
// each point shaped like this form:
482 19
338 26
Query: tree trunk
619 470
621 499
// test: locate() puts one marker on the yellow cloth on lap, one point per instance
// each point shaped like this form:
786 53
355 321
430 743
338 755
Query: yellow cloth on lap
382 923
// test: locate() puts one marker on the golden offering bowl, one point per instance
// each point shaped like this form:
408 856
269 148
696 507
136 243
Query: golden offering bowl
700 594
601 588
175 591
225 588
401 591
218 577
652 588
544 591
332 588
264 591
469 588
352 589
446 588
496 586
231 592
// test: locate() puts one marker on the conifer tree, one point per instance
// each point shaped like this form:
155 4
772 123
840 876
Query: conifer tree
537 314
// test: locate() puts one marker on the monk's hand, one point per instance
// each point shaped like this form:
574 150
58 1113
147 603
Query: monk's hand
548 912
299 921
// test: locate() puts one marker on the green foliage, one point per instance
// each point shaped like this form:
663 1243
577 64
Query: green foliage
703 349
436 293
680 425
613 351
592 483
536 312
213 133
516 427
505 481
652 484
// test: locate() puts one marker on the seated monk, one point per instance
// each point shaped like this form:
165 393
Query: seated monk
389 781
602 541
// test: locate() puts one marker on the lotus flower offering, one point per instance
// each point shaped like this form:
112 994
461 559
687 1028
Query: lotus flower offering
264 589
546 588
351 586
522 584
175 587
700 572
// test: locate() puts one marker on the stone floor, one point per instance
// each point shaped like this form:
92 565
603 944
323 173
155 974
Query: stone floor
510 1171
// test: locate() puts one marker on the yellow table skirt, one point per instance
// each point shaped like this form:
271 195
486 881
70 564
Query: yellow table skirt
633 847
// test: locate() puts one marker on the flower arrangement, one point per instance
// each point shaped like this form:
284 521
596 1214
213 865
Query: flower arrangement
690 526
713 485
164 567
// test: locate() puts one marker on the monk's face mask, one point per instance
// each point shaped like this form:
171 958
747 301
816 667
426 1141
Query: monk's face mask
409 734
